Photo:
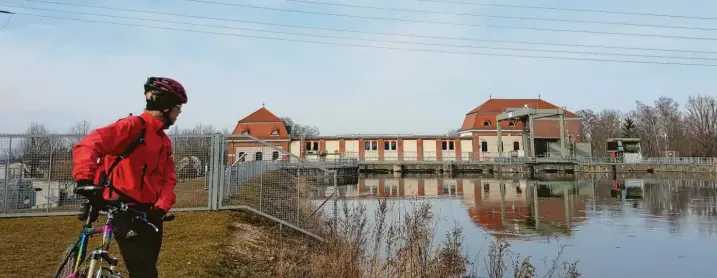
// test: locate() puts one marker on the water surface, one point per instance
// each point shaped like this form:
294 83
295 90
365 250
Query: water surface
616 228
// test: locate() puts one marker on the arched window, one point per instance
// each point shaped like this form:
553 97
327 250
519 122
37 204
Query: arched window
511 123
242 156
275 156
486 123
275 133
258 156
246 132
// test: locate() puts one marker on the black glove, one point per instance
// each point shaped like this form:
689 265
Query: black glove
89 190
156 215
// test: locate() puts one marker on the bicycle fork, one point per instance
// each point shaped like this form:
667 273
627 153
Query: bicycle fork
103 254
97 256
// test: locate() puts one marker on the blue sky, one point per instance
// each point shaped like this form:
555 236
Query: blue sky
58 72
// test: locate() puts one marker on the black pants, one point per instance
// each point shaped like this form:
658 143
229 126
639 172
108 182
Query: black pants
141 250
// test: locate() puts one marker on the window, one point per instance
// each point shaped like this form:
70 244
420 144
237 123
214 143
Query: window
275 133
371 145
448 145
486 123
246 132
275 156
258 156
390 145
516 145
486 188
311 146
484 146
242 156
511 123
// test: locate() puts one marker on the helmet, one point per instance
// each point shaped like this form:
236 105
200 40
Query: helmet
166 90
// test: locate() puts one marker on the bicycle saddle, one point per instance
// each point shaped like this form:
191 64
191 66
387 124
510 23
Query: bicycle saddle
88 188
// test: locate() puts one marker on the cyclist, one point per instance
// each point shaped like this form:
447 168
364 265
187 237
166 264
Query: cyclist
145 177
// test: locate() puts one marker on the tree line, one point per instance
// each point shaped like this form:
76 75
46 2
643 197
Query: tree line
40 151
664 125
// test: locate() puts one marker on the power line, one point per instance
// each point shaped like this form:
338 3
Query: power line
495 16
568 9
373 46
381 33
452 23
373 40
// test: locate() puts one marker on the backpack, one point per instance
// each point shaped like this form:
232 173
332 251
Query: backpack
105 176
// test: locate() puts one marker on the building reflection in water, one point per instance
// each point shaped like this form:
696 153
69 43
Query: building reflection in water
526 208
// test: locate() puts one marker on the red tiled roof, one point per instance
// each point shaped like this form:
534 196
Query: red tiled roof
261 124
487 112
499 105
261 115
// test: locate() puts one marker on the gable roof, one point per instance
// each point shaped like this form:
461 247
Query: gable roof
262 124
262 115
500 105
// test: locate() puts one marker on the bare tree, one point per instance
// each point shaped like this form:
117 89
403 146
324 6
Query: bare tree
701 118
452 132
78 131
296 130
39 148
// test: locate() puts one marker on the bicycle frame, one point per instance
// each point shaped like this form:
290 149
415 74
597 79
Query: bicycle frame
98 254
102 253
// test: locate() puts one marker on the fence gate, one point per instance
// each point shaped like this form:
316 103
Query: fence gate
269 180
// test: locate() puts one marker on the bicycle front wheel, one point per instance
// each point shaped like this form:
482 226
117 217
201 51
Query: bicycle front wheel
67 264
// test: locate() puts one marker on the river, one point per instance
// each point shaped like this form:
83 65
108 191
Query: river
615 228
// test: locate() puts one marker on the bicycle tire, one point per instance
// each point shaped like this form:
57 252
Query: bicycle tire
67 260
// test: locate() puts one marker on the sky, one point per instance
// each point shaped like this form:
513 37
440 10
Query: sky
57 72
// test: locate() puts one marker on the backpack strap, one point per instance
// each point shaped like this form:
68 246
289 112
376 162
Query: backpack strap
130 148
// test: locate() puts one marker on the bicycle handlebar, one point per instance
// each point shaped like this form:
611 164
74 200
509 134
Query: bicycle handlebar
122 206
116 205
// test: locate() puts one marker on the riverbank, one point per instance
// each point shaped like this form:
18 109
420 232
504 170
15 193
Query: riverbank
242 244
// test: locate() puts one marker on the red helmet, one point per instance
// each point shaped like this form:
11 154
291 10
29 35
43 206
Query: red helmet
166 88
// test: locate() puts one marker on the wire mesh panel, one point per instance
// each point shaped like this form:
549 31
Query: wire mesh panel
36 174
266 178
193 163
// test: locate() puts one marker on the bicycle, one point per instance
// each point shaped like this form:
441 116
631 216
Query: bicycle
76 254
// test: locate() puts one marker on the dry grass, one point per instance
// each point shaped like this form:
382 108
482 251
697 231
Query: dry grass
408 251
30 247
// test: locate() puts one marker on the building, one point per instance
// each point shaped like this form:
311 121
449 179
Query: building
480 125
477 138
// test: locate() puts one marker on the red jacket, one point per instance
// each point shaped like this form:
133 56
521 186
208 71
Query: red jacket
147 174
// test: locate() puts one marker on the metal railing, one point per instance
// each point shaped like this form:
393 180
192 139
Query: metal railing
505 158
36 178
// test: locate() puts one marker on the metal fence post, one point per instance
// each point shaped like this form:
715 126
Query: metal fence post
7 174
216 170
336 197
49 176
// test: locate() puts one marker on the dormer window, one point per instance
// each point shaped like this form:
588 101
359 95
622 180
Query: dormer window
275 133
246 132
511 123
486 123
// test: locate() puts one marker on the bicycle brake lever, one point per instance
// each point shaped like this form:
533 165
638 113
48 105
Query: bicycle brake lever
153 226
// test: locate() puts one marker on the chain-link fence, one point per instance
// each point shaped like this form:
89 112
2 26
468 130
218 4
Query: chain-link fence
269 180
36 174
